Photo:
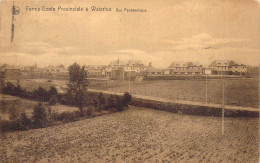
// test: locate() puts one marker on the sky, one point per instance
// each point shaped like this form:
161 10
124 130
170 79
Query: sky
170 30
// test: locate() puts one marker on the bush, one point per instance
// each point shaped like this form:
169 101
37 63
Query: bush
18 91
24 122
89 111
68 116
101 101
6 125
111 102
119 104
51 115
39 117
9 88
126 99
53 91
53 100
14 112
41 94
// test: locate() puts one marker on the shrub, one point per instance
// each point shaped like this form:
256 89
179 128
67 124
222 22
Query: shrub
7 125
53 91
89 111
101 101
119 104
67 116
41 94
24 122
39 117
95 102
3 106
53 100
51 115
18 90
111 101
126 99
9 88
14 113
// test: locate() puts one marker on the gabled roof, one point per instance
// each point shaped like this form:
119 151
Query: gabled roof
196 64
216 63
126 62
182 64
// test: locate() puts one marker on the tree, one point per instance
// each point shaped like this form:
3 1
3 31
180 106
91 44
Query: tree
18 90
53 91
25 122
78 85
2 81
9 88
41 94
39 117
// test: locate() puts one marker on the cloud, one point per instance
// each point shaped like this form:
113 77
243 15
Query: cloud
201 41
35 48
41 48
130 52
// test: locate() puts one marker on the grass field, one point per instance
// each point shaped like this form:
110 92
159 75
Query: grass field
137 135
26 106
240 92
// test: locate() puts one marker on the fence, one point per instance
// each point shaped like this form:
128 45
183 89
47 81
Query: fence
248 102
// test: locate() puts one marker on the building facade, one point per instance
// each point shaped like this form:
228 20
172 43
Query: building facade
226 67
185 68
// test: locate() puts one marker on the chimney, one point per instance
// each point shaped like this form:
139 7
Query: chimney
150 64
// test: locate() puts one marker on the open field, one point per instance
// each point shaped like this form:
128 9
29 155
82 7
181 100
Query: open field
32 84
239 92
26 106
137 135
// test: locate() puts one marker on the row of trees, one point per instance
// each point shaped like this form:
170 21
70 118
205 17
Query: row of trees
40 94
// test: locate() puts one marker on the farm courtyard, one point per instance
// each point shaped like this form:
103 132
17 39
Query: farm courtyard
137 135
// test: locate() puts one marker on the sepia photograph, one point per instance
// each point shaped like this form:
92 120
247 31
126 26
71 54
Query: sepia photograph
135 81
